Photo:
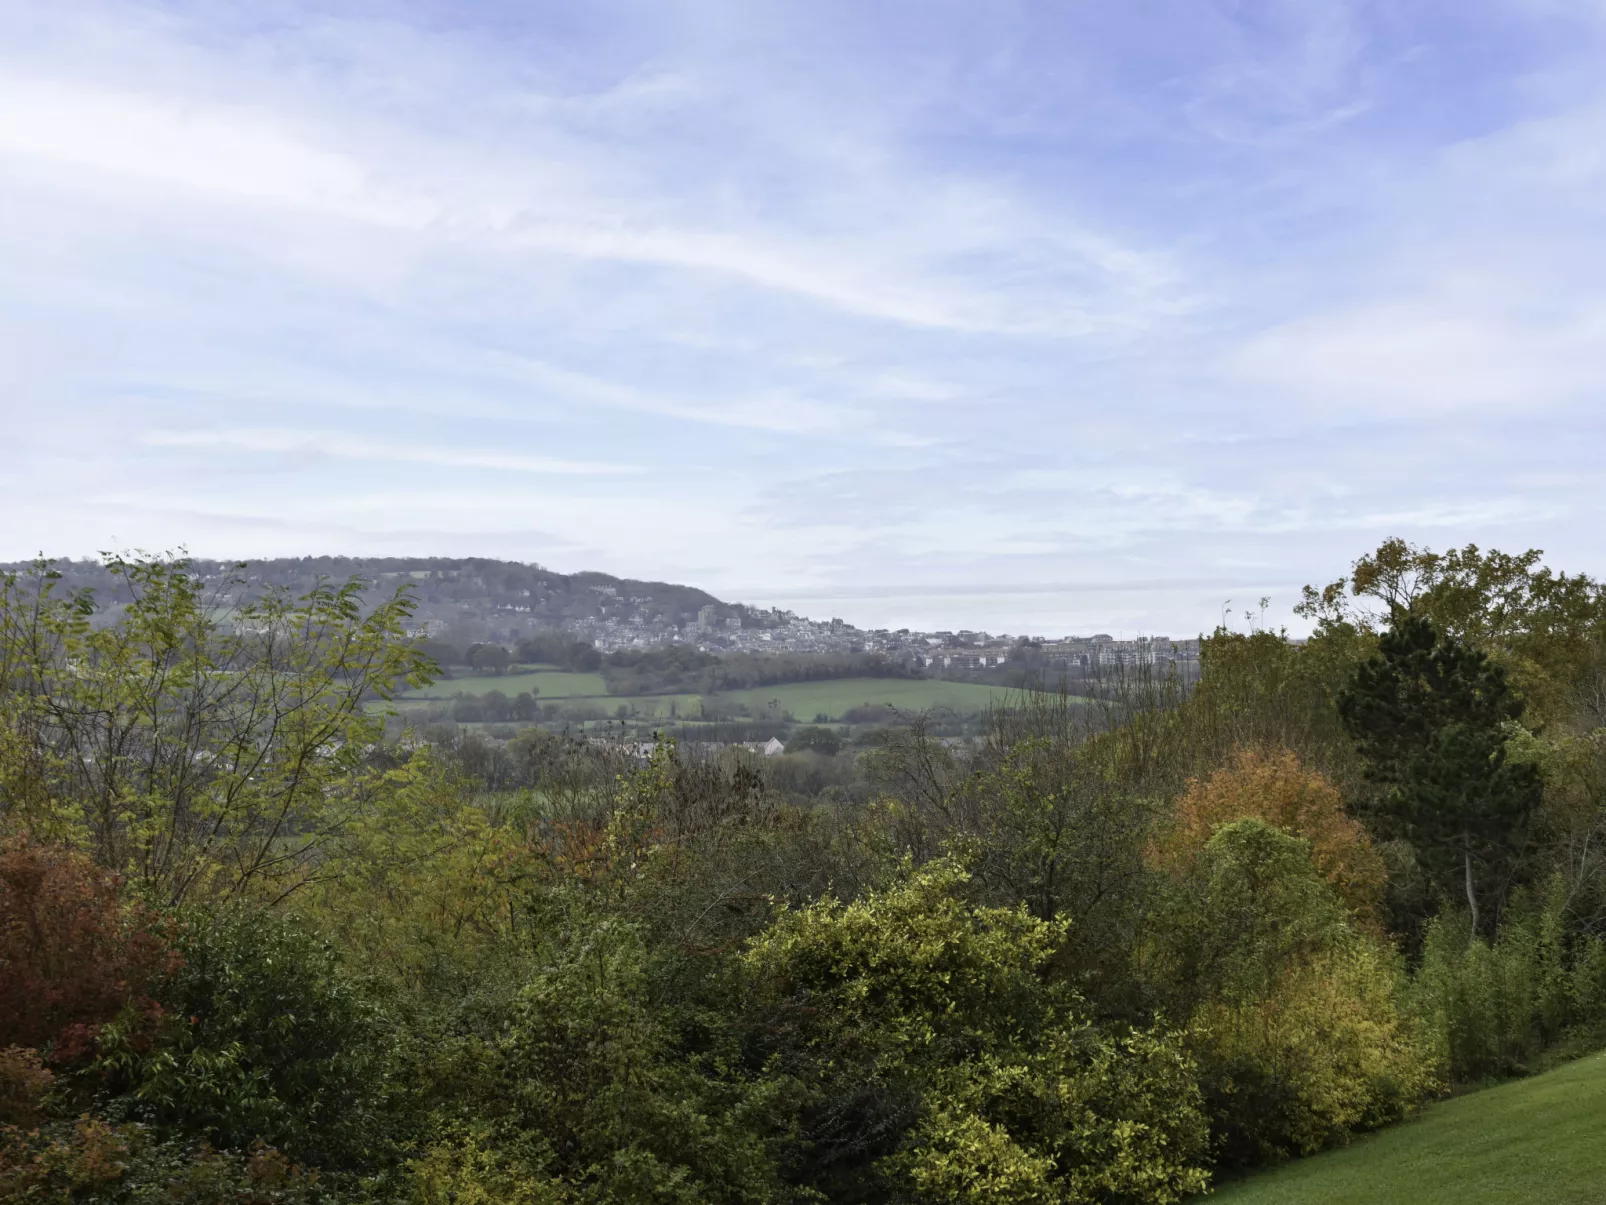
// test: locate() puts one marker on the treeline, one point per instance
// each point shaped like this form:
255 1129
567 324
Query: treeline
558 649
250 951
681 669
664 669
495 707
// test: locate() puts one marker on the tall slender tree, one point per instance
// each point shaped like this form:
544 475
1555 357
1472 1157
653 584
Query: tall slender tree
1429 714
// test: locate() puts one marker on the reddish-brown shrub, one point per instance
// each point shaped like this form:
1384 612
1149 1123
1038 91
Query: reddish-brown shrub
23 1081
73 953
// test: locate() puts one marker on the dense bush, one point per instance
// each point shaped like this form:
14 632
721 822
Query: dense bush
809 775
814 738
91 1160
1327 1052
1295 1015
936 1062
494 707
265 1040
1495 1007
590 1096
560 649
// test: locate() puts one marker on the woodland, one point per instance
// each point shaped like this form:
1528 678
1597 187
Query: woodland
256 945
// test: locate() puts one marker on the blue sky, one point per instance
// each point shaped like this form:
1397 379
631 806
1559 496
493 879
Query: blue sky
1043 317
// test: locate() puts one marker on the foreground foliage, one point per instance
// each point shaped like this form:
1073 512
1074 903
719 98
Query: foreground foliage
250 952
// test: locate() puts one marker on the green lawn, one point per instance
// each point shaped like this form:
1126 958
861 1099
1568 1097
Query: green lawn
1535 1140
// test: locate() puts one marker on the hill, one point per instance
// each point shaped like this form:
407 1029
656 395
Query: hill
463 602
1537 1139
477 597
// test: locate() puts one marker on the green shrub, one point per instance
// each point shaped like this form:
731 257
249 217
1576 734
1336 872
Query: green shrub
1495 1007
934 1060
91 1160
589 1094
1326 1052
468 1165
1296 1017
266 1040
1249 904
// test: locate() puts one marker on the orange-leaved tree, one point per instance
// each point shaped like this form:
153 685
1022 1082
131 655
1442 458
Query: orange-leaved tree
1274 787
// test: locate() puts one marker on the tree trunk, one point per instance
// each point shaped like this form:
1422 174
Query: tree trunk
1472 897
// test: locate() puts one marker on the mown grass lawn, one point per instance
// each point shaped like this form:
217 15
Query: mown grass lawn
1540 1140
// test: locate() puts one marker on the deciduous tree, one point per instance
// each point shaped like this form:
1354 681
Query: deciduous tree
197 738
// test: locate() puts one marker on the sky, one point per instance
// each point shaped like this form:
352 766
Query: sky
1040 317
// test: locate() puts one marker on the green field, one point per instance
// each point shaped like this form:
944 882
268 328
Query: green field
1535 1140
804 700
550 683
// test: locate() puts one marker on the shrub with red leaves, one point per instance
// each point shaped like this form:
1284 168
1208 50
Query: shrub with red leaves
73 953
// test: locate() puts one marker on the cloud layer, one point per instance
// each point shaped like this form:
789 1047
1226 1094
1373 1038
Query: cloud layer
1030 316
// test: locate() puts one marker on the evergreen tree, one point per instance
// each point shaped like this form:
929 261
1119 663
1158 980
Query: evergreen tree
1428 713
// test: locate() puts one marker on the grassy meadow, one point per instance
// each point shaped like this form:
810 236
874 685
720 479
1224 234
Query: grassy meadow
804 700
1537 1139
549 684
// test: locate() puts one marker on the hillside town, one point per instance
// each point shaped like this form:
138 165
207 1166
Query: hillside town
626 621
778 631
505 601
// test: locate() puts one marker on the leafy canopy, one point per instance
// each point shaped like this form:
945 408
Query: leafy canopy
197 738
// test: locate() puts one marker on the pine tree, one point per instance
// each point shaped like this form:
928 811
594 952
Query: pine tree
1428 712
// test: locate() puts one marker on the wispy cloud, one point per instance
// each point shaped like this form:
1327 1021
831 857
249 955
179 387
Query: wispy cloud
243 154
345 447
809 296
232 152
1440 356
